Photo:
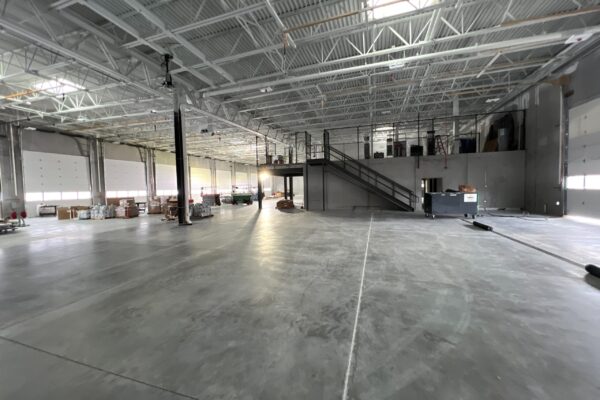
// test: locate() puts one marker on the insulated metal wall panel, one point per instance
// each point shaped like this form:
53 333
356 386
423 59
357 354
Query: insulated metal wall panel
50 172
124 176
241 179
200 178
166 180
122 152
223 181
164 158
584 158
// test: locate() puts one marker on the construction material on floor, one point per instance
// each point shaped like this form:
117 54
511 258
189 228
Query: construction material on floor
483 226
200 210
103 212
76 209
63 213
127 209
211 199
84 214
154 206
593 270
285 204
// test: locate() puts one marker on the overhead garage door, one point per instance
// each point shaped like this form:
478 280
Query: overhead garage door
124 178
223 181
51 177
241 180
200 178
166 180
583 182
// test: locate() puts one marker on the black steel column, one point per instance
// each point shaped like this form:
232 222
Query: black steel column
357 143
307 145
285 187
292 188
183 210
296 146
418 139
260 191
259 180
326 144
266 151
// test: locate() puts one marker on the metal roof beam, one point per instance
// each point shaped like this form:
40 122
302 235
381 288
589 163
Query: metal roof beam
155 20
519 44
98 67
396 49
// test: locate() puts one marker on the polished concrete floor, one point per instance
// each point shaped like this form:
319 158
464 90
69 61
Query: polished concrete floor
263 306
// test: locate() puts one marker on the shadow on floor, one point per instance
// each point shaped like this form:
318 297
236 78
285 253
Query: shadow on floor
592 281
291 210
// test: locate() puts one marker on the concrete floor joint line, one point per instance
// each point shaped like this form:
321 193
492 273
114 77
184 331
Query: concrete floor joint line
355 329
100 369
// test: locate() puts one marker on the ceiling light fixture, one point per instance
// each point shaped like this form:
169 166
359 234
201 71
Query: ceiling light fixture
493 100
582 37
397 65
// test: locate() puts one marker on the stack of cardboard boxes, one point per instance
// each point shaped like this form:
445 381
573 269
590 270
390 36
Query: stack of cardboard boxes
127 209
72 212
154 206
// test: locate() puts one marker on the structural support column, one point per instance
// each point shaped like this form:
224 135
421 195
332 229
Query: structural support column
97 181
307 145
260 190
456 120
285 187
150 166
11 170
292 188
181 163
258 179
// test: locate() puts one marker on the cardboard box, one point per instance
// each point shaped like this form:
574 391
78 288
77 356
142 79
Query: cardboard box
467 189
127 212
154 209
116 201
63 213
75 210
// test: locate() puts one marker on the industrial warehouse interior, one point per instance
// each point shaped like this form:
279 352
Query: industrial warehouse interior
300 199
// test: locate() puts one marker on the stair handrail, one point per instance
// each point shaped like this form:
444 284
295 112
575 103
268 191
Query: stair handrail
379 177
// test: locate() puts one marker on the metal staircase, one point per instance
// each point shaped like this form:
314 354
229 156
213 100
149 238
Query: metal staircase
367 178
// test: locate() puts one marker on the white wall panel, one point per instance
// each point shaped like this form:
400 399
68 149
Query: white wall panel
241 178
166 178
223 181
584 157
124 175
200 178
49 172
165 158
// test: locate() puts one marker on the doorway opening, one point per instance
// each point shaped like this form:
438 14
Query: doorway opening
430 185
